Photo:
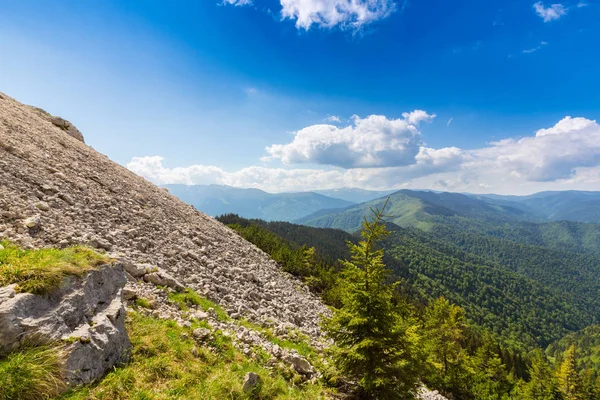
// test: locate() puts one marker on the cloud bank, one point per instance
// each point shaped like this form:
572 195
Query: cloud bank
377 152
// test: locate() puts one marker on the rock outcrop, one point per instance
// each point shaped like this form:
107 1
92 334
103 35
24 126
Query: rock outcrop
87 314
60 123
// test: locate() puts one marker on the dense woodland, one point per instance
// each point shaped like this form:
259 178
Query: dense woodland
484 330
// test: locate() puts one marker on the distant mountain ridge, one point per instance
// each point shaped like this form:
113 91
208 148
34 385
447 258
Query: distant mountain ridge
569 205
354 195
254 203
449 214
417 209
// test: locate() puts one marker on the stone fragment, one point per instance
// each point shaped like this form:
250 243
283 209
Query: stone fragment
161 278
201 333
251 382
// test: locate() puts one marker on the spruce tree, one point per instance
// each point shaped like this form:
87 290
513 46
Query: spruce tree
569 380
542 384
373 344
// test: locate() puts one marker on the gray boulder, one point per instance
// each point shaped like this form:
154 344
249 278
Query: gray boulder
251 380
161 278
87 313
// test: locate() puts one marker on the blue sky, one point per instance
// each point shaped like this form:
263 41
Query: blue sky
307 94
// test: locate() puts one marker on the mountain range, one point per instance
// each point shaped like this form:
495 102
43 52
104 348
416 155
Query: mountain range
417 207
254 203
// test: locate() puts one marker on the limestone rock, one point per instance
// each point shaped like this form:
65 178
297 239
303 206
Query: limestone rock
201 333
161 278
300 364
88 308
251 381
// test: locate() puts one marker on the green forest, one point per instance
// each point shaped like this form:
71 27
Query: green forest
491 319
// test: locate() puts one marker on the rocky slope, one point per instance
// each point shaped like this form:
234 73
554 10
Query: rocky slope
57 191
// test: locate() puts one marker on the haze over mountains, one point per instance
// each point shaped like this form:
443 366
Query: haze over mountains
254 203
310 207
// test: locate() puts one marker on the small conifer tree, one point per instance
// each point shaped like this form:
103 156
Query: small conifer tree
374 345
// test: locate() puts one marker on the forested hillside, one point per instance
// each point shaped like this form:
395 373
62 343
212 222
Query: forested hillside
523 293
482 325
455 214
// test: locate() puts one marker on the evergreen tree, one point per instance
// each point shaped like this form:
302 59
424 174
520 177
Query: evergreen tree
444 326
374 345
569 380
542 385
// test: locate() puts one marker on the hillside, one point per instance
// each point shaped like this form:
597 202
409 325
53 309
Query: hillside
80 196
568 205
56 191
523 293
254 203
354 195
451 214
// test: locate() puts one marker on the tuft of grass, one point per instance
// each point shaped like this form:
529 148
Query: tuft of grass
144 302
32 373
41 271
167 363
189 298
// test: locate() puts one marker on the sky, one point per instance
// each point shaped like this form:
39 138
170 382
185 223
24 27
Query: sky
494 96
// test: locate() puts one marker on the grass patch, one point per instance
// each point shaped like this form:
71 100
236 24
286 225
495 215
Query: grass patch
168 364
32 373
144 303
188 298
42 271
300 343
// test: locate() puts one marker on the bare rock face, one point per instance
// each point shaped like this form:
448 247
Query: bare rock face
87 313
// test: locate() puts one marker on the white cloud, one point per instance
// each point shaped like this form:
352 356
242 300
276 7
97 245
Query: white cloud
449 121
552 154
551 12
534 49
238 2
334 118
330 13
566 155
374 141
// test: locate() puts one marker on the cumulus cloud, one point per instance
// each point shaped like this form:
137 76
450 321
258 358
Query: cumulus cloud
333 118
564 155
551 154
330 13
374 141
551 12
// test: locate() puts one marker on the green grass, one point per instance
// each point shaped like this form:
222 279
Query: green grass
188 298
167 364
300 343
42 271
32 373
144 302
